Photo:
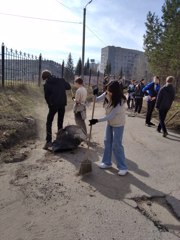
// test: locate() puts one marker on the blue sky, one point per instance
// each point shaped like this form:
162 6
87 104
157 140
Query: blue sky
119 23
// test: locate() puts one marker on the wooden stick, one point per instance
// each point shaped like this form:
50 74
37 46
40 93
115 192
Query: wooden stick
172 116
92 116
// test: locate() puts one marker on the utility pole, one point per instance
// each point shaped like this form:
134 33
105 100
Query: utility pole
83 39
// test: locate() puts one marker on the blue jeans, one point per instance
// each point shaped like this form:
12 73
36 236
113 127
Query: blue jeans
113 143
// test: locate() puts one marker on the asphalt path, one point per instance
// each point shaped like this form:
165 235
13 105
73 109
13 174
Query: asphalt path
42 198
154 168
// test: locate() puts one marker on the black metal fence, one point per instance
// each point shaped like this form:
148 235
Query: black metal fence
18 67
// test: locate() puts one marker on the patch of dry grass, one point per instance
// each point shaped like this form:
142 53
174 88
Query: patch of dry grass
174 123
16 106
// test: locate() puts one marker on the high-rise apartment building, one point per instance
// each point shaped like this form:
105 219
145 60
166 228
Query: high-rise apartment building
132 63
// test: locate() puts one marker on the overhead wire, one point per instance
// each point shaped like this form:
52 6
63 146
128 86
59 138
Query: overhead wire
95 34
37 18
54 20
63 5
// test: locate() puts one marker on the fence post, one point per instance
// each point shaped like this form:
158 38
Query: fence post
89 77
2 59
62 69
98 78
40 66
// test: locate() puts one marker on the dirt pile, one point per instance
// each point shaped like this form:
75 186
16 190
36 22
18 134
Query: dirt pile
17 121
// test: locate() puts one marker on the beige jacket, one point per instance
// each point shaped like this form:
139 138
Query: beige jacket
119 119
80 104
114 116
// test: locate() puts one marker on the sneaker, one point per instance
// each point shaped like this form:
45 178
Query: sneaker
104 166
47 145
122 172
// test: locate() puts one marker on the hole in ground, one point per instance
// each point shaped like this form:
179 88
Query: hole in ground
159 212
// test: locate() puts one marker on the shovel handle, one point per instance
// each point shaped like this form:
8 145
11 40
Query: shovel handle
92 116
72 94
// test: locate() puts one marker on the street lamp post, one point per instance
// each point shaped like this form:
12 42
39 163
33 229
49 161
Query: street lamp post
83 39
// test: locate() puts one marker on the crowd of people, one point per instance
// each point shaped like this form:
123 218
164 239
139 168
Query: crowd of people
114 102
157 97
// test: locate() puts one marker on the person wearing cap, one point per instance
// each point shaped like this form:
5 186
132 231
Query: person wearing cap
56 99
164 101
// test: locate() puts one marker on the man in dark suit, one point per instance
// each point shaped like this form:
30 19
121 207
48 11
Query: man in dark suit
164 101
55 96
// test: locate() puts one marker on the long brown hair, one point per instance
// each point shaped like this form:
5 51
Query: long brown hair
117 93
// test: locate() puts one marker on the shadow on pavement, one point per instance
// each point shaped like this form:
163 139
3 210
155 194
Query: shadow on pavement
173 137
132 166
108 182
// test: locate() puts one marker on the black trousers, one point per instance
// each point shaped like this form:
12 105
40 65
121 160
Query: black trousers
150 108
80 122
130 102
50 118
162 117
138 104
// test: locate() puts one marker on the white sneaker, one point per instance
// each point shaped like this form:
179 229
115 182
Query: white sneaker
104 166
122 172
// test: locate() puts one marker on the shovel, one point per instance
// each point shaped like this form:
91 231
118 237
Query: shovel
86 164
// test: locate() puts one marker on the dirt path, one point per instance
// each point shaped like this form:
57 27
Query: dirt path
42 198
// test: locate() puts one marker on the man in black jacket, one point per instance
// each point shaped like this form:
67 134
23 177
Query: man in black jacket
139 96
55 96
164 101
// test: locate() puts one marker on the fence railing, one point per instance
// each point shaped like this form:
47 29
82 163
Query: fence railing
18 67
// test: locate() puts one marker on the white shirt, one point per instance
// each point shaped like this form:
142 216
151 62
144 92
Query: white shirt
81 95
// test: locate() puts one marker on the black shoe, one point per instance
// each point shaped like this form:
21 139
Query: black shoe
47 145
152 124
158 130
165 134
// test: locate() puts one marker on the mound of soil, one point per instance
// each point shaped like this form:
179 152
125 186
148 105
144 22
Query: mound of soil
17 122
11 134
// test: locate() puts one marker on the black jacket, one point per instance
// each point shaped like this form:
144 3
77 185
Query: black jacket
55 91
138 91
165 97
